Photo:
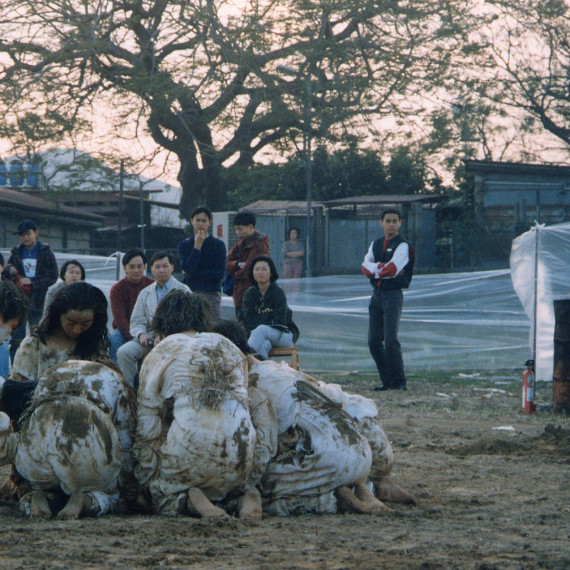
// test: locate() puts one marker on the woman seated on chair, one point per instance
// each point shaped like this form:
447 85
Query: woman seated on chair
266 314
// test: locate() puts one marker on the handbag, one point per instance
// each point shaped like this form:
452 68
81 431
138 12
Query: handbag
228 284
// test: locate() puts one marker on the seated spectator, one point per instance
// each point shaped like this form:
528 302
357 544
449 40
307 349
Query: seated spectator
203 260
128 356
71 272
75 328
13 311
266 314
123 297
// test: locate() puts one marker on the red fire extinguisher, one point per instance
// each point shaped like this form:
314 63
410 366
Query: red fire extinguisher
528 388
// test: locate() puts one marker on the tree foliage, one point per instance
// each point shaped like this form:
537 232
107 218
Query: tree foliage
205 78
338 174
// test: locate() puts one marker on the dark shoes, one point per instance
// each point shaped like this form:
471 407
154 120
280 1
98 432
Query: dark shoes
385 387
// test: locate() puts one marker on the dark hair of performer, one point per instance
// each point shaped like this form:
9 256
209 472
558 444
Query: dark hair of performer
78 312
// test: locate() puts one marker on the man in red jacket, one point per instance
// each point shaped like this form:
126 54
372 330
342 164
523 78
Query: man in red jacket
250 244
124 294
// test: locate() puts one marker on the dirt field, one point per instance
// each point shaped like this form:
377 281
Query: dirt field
489 499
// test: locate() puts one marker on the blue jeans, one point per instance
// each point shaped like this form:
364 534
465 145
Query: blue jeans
5 359
263 338
385 310
116 340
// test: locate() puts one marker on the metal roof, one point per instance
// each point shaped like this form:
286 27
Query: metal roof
23 201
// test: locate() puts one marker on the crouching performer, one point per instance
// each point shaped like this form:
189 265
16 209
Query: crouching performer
105 386
363 410
68 451
320 461
195 439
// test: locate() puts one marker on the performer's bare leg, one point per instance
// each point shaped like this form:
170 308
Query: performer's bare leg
349 502
388 491
73 508
39 508
250 505
363 493
199 504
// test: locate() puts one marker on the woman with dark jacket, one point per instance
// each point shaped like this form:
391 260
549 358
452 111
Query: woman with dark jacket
266 314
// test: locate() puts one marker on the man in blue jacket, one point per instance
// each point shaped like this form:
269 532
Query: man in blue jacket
203 260
32 266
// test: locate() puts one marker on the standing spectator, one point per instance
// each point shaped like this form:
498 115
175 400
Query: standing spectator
389 266
123 297
33 268
71 272
4 341
250 245
293 252
266 315
128 356
203 260
13 312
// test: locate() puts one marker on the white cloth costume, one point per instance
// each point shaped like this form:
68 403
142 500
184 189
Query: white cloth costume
68 444
320 447
193 423
109 391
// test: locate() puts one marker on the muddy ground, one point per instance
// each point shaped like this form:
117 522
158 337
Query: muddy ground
489 499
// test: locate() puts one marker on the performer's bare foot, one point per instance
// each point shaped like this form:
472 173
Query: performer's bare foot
349 502
199 504
39 508
250 505
388 491
72 509
363 493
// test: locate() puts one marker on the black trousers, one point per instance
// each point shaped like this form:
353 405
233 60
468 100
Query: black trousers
385 310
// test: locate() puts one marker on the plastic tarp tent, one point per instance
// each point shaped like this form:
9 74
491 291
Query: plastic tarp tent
540 271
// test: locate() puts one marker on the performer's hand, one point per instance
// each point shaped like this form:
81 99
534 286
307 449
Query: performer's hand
366 273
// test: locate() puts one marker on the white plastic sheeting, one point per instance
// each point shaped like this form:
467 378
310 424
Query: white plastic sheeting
540 270
450 321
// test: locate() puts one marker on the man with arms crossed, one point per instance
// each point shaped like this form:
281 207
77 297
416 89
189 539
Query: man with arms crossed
161 266
388 264
203 260
123 297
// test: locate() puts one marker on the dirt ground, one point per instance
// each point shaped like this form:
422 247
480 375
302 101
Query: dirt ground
490 498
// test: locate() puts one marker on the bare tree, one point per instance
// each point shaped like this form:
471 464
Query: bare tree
521 53
206 78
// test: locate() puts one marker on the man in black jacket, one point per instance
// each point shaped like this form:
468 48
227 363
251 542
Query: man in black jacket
388 264
32 266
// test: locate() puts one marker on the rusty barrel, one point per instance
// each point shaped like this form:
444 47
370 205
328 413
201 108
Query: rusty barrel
561 376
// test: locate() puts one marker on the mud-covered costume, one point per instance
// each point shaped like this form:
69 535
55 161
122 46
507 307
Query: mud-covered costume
66 444
34 358
320 447
109 391
193 422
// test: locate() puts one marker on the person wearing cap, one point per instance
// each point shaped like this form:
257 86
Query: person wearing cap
32 266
